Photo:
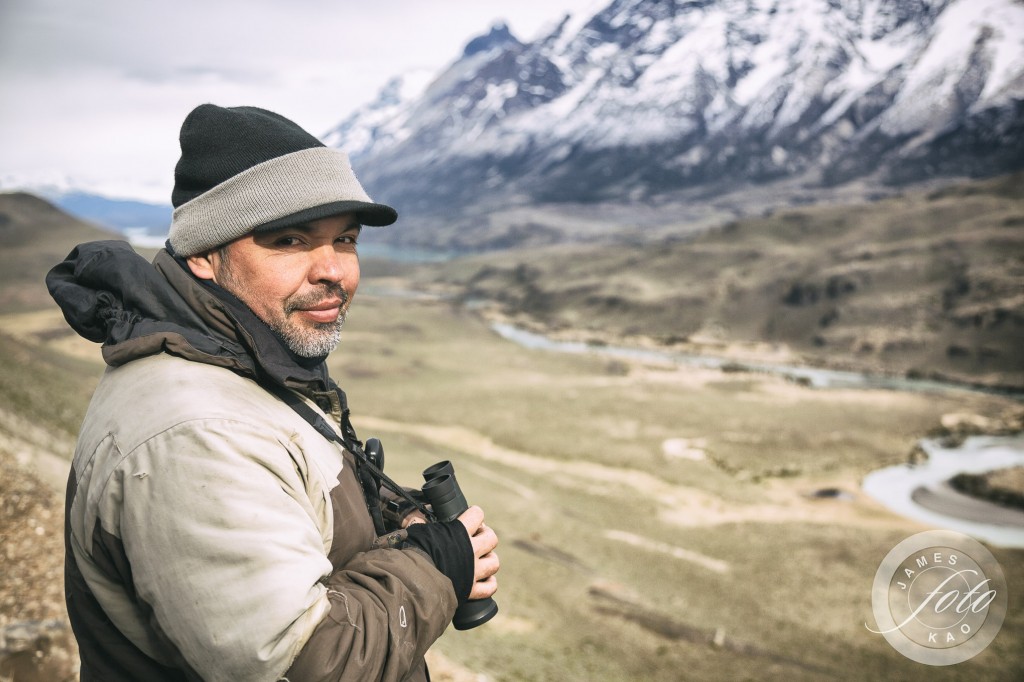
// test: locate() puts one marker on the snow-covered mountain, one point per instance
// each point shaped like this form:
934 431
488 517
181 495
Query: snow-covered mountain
648 100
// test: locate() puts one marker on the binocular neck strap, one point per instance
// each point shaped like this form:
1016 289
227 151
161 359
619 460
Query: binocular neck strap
351 443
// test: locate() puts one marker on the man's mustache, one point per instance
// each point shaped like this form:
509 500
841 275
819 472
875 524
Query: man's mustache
326 292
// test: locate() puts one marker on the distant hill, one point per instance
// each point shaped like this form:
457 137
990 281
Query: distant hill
35 235
124 215
928 284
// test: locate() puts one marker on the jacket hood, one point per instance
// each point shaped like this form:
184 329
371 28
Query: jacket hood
110 294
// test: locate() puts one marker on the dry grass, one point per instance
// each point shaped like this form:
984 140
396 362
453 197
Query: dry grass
621 560
565 454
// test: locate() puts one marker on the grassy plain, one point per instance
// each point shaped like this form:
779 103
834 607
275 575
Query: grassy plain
656 522
623 560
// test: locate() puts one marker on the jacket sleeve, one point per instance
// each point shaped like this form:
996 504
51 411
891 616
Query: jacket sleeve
345 645
221 533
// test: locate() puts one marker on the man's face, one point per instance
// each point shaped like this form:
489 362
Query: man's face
299 280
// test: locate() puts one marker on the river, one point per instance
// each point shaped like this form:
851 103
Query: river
917 492
811 376
921 492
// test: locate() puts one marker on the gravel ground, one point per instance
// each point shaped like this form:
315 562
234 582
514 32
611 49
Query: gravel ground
35 639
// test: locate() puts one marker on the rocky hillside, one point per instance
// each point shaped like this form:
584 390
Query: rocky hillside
36 644
927 284
35 235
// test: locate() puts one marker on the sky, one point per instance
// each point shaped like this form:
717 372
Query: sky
92 94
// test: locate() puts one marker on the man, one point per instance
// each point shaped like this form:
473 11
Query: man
216 528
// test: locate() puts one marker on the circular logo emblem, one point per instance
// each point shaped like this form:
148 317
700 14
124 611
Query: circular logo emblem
939 598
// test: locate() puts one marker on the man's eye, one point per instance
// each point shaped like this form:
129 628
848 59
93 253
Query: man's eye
287 241
347 239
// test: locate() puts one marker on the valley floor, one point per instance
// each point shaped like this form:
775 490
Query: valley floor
656 522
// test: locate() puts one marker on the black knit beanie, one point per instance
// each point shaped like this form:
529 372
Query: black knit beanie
244 168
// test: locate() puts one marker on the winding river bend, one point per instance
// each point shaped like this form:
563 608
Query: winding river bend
921 492
817 378
918 492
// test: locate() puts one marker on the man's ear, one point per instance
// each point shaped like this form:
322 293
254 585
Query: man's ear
202 265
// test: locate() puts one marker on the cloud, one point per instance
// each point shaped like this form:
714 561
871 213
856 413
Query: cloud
186 74
97 90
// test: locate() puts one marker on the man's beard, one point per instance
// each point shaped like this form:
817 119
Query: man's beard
312 343
321 338
318 340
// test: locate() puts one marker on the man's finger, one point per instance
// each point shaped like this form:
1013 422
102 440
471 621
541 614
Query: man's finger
484 588
472 519
484 541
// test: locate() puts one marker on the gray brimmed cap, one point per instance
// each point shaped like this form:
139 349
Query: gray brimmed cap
245 169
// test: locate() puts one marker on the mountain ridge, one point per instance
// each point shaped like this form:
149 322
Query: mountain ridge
659 102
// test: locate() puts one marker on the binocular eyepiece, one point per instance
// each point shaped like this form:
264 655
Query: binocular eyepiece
442 491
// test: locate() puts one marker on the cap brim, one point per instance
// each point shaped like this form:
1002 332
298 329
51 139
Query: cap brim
376 215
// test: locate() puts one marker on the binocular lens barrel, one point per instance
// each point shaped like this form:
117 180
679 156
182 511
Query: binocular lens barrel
446 499
439 469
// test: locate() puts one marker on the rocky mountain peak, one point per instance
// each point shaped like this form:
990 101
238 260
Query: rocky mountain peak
652 101
498 37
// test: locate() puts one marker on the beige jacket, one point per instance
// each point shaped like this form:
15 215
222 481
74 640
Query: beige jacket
213 534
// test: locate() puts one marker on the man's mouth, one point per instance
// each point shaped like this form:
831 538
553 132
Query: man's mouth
323 305
324 312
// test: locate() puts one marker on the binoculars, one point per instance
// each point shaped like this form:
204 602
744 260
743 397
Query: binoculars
442 491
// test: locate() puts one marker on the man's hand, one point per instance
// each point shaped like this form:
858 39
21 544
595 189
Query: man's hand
485 563
484 540
415 516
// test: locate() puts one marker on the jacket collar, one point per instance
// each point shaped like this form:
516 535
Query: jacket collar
274 357
110 294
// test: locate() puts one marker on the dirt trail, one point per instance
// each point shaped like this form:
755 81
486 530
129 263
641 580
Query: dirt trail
680 505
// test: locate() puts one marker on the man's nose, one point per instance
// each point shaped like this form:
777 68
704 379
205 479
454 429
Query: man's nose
326 265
